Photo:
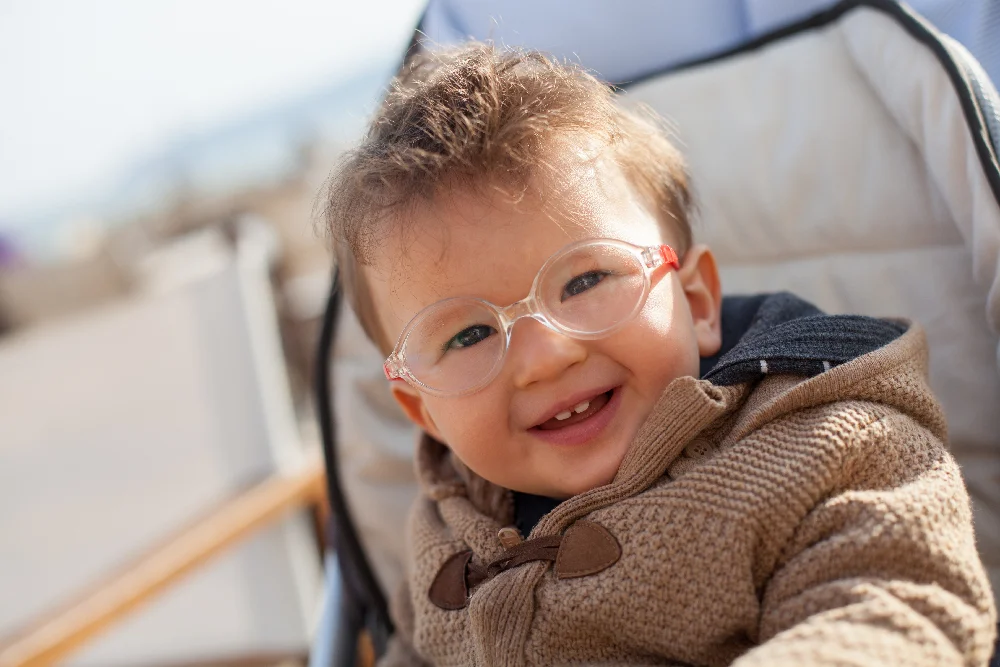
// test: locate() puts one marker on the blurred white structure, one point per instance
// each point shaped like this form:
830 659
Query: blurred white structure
123 426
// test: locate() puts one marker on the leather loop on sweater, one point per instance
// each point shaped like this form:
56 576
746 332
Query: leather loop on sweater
449 589
539 548
587 548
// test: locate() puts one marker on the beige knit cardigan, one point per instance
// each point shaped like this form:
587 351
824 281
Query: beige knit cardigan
791 521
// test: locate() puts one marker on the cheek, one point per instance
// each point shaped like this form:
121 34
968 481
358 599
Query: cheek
660 344
470 425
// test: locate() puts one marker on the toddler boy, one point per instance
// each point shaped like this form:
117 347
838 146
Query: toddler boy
520 248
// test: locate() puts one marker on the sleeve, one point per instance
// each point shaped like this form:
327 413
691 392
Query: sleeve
884 569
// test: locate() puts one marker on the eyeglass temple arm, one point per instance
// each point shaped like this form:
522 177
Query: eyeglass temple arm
655 256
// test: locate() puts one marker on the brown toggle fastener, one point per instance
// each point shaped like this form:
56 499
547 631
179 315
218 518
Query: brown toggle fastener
586 548
509 537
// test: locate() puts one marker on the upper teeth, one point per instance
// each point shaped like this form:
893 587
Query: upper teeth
580 407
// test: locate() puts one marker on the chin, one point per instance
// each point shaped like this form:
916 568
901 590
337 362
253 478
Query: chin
584 484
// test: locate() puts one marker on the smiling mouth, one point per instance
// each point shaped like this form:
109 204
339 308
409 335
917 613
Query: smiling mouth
580 412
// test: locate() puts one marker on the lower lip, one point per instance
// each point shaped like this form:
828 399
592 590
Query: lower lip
584 431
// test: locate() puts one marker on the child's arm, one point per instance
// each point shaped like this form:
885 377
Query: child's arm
884 570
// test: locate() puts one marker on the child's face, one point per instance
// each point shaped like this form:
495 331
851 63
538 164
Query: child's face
468 246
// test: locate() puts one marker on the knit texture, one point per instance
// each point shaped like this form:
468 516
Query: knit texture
784 521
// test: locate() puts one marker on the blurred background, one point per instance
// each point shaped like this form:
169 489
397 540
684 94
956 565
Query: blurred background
161 282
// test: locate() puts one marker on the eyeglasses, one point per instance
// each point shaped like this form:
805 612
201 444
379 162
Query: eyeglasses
587 290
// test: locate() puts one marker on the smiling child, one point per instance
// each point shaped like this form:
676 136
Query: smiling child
619 466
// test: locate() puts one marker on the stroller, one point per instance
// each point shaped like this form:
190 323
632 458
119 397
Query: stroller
851 156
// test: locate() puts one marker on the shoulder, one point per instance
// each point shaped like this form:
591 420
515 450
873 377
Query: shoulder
801 456
845 444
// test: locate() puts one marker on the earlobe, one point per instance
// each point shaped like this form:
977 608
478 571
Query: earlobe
699 278
412 403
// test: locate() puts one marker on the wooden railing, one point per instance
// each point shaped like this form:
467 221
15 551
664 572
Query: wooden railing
63 631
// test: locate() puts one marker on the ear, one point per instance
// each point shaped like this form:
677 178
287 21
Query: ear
412 403
699 278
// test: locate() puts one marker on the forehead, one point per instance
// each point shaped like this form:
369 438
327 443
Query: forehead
488 243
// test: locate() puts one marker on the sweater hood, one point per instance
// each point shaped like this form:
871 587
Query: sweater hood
825 358
783 334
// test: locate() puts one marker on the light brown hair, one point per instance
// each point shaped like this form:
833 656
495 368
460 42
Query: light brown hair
479 116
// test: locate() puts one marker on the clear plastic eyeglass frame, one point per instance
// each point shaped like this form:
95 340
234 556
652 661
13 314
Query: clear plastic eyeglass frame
649 257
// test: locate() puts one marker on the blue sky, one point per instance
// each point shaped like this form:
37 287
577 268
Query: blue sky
88 88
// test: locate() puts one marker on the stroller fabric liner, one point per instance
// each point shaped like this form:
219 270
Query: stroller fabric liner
839 163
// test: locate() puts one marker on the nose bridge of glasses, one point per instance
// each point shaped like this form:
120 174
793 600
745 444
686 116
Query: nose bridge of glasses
518 310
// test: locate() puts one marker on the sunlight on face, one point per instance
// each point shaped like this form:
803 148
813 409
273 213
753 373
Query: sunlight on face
561 414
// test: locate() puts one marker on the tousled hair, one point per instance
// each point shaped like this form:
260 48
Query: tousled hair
479 117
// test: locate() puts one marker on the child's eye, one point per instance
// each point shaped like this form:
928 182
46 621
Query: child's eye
470 336
582 283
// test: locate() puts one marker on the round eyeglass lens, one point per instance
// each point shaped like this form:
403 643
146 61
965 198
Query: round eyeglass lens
594 288
454 345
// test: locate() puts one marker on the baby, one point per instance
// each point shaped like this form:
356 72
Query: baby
619 466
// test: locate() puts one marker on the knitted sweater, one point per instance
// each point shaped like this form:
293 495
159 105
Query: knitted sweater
785 518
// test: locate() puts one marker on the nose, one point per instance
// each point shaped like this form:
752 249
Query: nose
538 353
